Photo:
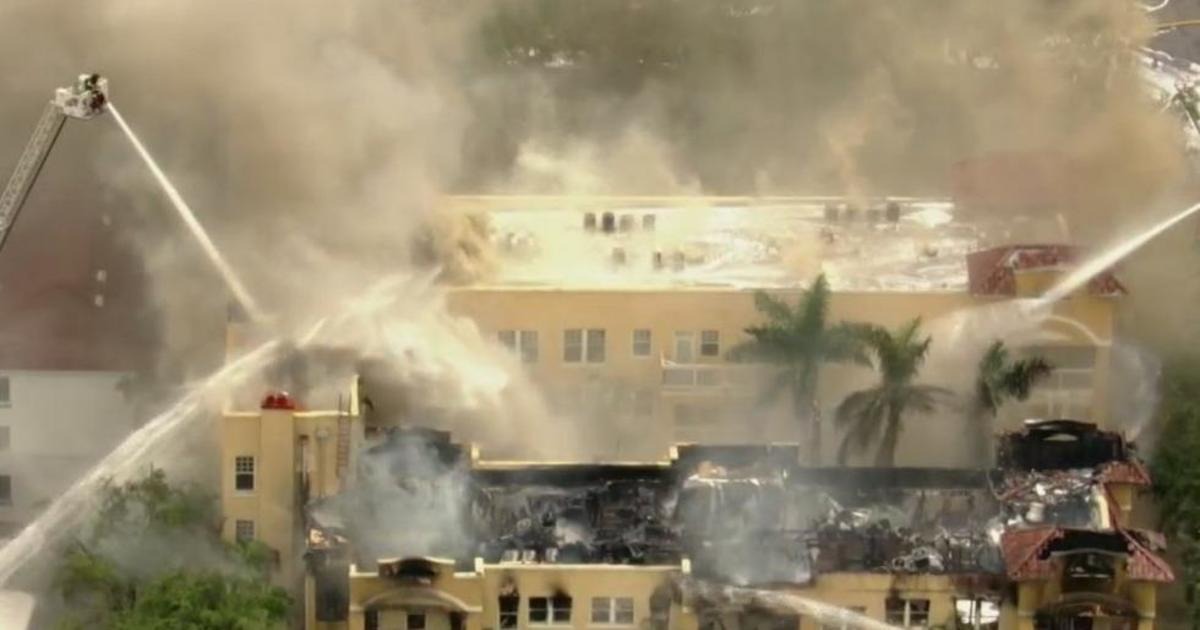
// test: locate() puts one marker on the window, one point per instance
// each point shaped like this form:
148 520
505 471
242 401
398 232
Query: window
641 343
573 345
415 621
550 610
5 392
612 611
710 343
524 342
909 613
1068 391
509 605
529 346
508 339
243 473
977 613
684 352
595 345
578 347
842 622
243 531
5 438
371 619
5 490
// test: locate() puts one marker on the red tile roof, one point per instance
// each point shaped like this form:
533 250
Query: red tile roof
993 271
1130 471
1021 549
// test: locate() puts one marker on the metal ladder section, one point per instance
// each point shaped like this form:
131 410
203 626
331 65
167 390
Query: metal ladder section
28 167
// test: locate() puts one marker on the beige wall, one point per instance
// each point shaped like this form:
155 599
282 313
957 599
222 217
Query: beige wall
480 591
287 446
734 407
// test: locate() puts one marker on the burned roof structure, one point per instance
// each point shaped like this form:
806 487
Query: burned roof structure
745 515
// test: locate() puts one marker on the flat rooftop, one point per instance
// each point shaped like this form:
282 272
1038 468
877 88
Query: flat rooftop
884 245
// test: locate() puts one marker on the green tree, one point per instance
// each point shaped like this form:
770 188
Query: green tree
152 557
799 341
1176 471
999 379
865 413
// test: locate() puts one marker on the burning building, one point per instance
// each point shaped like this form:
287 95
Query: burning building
404 528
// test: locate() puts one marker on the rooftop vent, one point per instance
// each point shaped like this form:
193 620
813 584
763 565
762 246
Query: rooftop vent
589 221
608 222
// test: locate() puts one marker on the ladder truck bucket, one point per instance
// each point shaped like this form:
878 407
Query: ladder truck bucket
87 98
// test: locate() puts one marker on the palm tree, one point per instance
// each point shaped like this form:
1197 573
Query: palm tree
998 380
865 413
799 340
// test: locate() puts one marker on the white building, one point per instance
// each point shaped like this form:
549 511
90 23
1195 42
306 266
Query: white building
54 425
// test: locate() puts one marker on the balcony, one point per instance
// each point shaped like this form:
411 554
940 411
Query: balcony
706 376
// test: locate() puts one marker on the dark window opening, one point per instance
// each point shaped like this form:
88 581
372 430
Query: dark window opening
415 621
509 605
371 620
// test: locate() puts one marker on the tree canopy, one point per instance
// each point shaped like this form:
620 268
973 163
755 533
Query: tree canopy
899 356
800 340
152 557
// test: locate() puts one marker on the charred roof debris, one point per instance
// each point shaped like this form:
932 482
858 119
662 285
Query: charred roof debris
746 516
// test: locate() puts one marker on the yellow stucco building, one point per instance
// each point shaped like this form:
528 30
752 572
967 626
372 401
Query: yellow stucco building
623 319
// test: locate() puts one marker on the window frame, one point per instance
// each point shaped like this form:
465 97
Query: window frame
611 618
714 345
907 619
514 614
6 484
690 337
524 344
238 473
528 346
577 345
552 609
408 619
585 351
238 530
589 354
648 341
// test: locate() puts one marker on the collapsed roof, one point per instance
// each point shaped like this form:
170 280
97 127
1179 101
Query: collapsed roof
742 515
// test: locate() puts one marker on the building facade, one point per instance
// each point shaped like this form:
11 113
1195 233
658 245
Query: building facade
54 426
419 532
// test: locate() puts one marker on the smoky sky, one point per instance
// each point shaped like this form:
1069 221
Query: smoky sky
316 139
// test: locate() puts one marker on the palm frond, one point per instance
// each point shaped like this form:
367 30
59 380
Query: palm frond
774 308
1018 380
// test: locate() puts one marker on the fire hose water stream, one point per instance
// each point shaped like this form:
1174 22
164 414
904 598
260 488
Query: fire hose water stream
189 218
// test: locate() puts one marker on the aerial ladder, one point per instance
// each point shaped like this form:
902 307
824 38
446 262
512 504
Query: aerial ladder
84 100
